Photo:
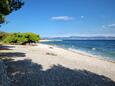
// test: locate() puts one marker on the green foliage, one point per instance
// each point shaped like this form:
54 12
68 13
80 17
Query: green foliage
8 6
22 38
3 35
32 37
2 19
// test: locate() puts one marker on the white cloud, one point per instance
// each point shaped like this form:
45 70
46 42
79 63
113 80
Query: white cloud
109 26
82 17
65 18
103 26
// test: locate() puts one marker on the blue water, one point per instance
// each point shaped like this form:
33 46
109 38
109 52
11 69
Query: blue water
103 48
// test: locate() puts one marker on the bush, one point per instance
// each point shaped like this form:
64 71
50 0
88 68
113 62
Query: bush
22 38
3 35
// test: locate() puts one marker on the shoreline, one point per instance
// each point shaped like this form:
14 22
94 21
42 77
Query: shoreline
46 40
82 53
91 55
49 55
86 57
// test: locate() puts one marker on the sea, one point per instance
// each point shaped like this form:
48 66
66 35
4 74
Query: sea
104 49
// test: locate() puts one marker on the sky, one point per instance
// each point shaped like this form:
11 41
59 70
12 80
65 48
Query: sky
57 18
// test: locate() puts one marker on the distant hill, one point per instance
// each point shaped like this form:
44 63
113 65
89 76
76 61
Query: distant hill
82 38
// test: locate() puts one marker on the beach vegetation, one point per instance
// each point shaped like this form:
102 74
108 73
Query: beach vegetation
22 38
3 35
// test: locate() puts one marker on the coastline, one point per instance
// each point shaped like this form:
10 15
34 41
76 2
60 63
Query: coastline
84 56
91 55
47 40
44 40
82 53
49 55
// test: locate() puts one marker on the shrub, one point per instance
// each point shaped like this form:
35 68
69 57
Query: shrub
3 35
22 38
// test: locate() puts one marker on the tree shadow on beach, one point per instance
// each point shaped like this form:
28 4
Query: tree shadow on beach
12 54
8 54
27 73
6 47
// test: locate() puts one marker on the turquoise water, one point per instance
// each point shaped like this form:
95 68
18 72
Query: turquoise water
103 48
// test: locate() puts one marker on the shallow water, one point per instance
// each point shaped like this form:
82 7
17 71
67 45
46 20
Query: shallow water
103 48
